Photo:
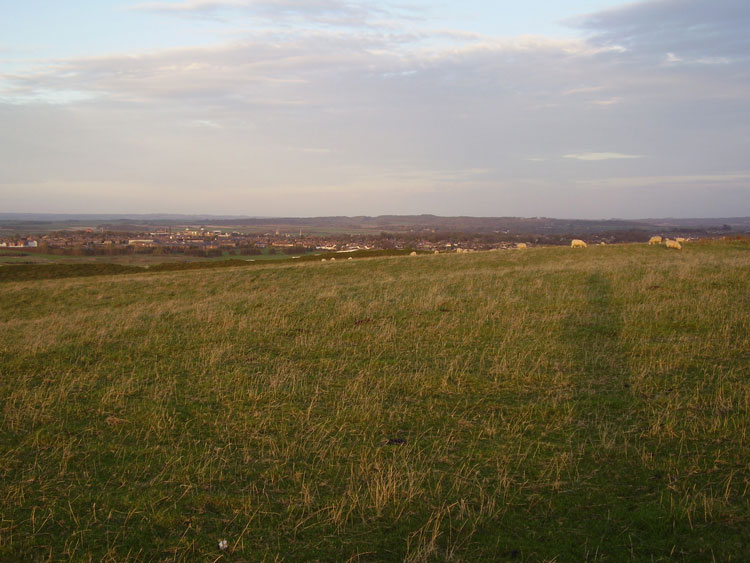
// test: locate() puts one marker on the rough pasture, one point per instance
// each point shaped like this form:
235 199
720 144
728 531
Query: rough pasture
533 406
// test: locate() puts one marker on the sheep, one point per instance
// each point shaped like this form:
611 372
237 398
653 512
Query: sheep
681 239
323 260
654 240
413 253
673 244
436 252
333 259
521 245
577 243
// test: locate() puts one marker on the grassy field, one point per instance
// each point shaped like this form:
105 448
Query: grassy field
541 405
20 257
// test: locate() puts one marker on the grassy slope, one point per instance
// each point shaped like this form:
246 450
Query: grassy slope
10 257
556 404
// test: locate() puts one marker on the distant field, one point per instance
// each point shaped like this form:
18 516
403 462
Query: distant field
70 268
550 404
20 257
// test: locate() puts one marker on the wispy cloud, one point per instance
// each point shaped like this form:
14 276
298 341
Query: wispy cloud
601 156
694 180
582 90
608 102
323 12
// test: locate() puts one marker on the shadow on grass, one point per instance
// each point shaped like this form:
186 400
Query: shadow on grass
612 504
593 335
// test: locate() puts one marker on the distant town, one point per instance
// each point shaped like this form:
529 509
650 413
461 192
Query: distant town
301 236
209 242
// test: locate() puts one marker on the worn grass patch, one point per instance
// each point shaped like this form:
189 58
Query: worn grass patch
545 405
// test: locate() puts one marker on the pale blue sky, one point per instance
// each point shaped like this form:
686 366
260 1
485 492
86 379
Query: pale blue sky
583 108
53 28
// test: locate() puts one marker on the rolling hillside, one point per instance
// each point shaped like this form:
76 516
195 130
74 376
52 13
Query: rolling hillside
538 405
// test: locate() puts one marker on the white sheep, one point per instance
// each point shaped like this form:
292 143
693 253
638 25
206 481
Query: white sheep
681 239
521 245
413 253
577 243
673 244
654 240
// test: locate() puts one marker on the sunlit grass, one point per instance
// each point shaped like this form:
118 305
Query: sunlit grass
540 405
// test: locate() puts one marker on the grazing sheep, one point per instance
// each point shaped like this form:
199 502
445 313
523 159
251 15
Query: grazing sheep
436 252
681 239
654 240
577 243
323 260
673 244
602 243
521 245
413 253
349 258
333 259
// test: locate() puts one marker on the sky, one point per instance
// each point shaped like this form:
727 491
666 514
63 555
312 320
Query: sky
585 109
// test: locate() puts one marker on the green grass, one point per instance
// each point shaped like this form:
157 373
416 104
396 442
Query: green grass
75 268
19 257
556 405
128 259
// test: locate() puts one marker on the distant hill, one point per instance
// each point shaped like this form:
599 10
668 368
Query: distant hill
389 223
